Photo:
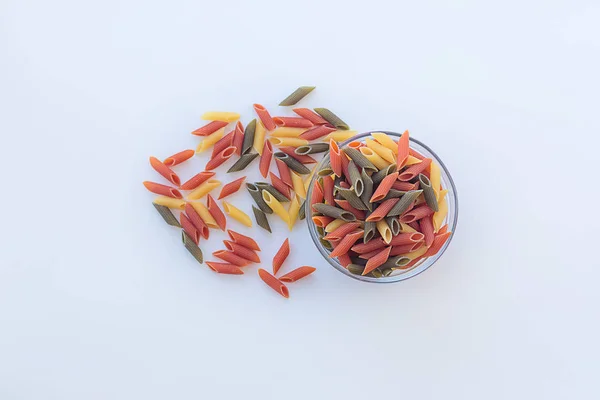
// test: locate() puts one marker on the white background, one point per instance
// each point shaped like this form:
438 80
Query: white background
98 299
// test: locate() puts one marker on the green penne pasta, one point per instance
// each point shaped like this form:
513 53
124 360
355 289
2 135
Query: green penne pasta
261 219
358 261
404 202
334 212
356 269
355 178
376 273
394 225
325 171
167 215
302 211
256 194
428 192
326 244
243 162
269 188
297 95
351 196
387 271
320 231
360 160
191 247
370 230
367 190
313 148
395 262
332 118
394 194
249 137
378 177
292 163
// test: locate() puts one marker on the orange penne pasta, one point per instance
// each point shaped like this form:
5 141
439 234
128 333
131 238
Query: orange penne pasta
377 260
163 190
438 243
209 128
317 132
243 240
280 185
345 204
371 245
344 260
224 268
189 228
342 231
414 170
220 158
405 186
416 154
381 211
231 187
405 249
284 172
297 274
281 255
335 158
165 171
426 225
407 238
242 251
265 159
416 214
265 117
292 122
196 220
222 144
443 229
346 243
273 282
384 187
178 158
317 194
403 150
216 212
197 180
328 190
304 159
310 115
238 138
231 258
321 220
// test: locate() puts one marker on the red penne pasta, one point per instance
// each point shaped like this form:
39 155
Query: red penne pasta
243 240
165 171
224 268
415 225
197 180
373 253
344 260
321 220
345 204
438 243
407 238
335 158
384 187
292 122
264 117
310 115
196 220
342 231
371 245
280 185
317 132
377 260
297 274
265 159
404 249
345 185
284 172
304 159
414 170
220 158
215 211
231 258
328 190
274 283
443 229
405 186
178 158
345 163
317 194
238 138
416 154
242 251
223 143
416 214
346 243
403 149
209 128
381 211
163 190
189 228
231 187
426 225
281 255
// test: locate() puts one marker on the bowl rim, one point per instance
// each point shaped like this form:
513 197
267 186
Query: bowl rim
419 267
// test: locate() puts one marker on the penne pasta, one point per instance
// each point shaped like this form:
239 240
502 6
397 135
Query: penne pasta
178 158
220 158
275 205
346 243
288 141
238 138
404 203
275 192
293 212
438 243
340 135
197 180
284 172
403 150
335 158
411 161
302 211
333 225
191 247
284 132
249 133
292 163
345 204
243 162
237 214
352 198
317 132
256 195
209 128
231 187
416 214
281 187
259 137
242 251
297 274
384 187
355 179
302 159
384 230
163 190
281 256
359 159
210 140
386 141
298 185
312 148
224 268
273 283
204 189
334 212
343 228
375 159
169 202
382 210
189 228
296 96
310 115
381 151
265 159
197 221
222 144
414 170
167 215
220 116
440 215
261 219
165 171
292 122
264 117
203 212
333 119
377 260
231 258
428 192
215 211
378 176
426 225
435 178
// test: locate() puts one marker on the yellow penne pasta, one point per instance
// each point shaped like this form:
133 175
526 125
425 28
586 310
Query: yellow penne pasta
381 150
259 137
308 179
340 135
333 225
435 178
417 253
405 228
384 231
293 212
276 206
298 184
288 141
377 161
203 212
411 161
237 214
220 116
440 215
170 202
210 140
386 141
420 200
204 188
285 131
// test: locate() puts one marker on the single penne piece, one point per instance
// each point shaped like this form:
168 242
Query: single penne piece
170 202
435 178
204 189
288 141
297 95
385 140
405 228
261 219
237 214
417 253
276 206
248 140
297 274
359 159
336 223
284 131
384 230
333 119
209 128
203 212
428 192
167 215
308 178
375 159
302 211
298 183
334 212
265 116
256 194
210 140
411 161
440 215
293 212
220 116
259 137
242 162
281 255
340 135
381 150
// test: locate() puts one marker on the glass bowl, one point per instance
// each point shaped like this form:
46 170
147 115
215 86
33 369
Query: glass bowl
398 274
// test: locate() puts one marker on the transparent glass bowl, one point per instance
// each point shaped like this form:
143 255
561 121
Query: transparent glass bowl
399 274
